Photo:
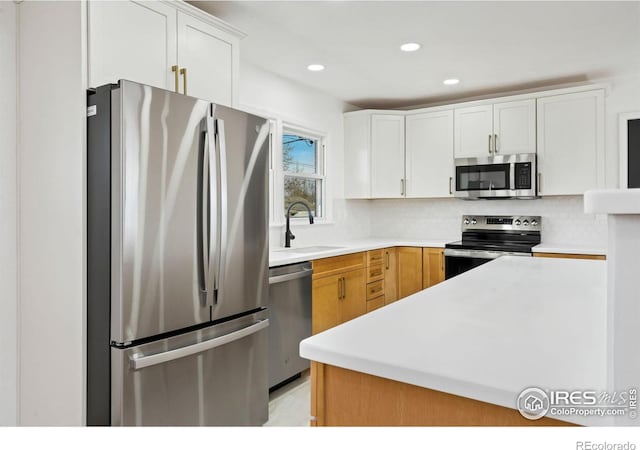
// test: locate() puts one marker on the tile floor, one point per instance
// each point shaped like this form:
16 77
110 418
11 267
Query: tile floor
289 405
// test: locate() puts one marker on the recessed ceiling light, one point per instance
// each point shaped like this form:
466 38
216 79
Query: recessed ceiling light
410 47
315 67
451 81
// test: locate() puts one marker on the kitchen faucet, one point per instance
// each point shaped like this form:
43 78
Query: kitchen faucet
288 235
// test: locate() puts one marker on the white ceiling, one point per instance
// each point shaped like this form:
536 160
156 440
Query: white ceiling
490 46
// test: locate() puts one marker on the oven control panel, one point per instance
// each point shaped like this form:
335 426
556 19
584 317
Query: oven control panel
470 222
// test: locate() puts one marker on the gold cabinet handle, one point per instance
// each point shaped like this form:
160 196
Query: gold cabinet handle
442 261
339 288
176 77
387 253
495 143
450 189
344 287
183 72
489 144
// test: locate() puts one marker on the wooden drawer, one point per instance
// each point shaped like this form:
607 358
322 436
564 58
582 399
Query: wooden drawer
375 257
375 272
375 289
337 264
375 303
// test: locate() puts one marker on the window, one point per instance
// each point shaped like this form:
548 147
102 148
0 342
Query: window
303 169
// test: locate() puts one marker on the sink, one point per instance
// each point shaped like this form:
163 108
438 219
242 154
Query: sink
312 249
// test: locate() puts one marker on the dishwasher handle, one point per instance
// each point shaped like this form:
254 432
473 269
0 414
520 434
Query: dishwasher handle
290 276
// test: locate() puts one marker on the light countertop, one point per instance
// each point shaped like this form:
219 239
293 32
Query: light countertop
486 334
574 249
281 256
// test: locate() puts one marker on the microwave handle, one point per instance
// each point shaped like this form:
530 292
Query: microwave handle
539 181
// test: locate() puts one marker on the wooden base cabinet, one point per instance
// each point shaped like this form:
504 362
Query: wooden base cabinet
432 266
338 291
409 262
341 397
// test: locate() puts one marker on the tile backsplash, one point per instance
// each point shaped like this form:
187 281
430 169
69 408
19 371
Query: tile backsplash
563 219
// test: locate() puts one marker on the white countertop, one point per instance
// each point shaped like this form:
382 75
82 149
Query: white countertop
612 201
574 249
486 334
281 256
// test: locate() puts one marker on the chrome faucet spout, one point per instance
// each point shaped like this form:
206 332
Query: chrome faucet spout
288 235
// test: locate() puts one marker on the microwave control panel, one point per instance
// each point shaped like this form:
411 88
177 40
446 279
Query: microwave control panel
523 175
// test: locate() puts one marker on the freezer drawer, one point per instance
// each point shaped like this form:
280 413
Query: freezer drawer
213 376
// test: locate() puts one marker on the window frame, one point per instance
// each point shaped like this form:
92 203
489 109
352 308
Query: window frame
321 172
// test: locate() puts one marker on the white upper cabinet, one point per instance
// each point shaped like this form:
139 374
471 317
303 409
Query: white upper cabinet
132 40
357 155
387 156
210 57
495 129
429 154
571 143
514 127
173 46
473 131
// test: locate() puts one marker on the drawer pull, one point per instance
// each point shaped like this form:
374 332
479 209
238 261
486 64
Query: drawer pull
374 290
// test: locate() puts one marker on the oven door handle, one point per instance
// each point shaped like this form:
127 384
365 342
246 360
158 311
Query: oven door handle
483 254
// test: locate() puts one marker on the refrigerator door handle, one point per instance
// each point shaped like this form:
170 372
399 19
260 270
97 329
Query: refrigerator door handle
137 362
222 210
203 220
214 244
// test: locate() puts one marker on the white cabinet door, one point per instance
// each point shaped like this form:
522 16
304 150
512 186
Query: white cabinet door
571 143
429 154
514 127
357 156
131 40
473 130
209 56
387 156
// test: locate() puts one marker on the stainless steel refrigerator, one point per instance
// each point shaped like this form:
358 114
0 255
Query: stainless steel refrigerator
177 260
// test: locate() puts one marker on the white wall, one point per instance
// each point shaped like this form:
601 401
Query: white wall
8 281
51 177
563 219
275 97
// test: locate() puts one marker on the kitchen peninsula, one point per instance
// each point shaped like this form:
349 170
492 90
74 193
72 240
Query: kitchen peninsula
461 352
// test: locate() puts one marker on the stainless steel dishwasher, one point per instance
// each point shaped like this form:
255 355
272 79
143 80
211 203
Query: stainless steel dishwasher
289 320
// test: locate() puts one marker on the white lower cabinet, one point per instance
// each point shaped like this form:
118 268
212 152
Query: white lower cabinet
571 143
429 154
174 46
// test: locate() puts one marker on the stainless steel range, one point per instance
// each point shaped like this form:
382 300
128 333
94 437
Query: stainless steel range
488 237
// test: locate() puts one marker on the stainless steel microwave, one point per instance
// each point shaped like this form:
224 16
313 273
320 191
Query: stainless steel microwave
494 177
